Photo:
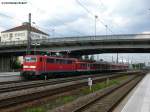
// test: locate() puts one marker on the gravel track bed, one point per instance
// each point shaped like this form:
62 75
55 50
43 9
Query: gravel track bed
30 84
14 98
100 101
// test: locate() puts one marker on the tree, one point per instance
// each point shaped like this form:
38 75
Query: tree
16 64
86 57
138 66
101 60
92 58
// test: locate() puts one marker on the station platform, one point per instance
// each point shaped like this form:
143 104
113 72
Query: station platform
10 76
140 98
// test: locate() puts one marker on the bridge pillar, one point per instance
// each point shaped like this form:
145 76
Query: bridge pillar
5 63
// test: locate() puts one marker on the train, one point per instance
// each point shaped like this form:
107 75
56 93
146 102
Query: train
41 66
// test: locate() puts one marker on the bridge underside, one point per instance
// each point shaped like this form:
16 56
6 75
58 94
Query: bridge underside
78 52
6 63
100 51
78 48
85 47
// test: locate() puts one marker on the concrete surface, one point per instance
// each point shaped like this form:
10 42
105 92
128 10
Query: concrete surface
139 99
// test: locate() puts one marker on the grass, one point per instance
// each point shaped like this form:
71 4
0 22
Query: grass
99 86
36 109
81 92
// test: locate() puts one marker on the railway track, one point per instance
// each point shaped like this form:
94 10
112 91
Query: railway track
12 98
18 85
108 102
13 85
101 101
12 82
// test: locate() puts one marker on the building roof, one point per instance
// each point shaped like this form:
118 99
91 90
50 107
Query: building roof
25 26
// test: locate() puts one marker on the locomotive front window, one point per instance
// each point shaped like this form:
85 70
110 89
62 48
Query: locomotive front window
30 59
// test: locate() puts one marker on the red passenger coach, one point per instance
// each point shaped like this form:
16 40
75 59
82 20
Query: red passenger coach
41 66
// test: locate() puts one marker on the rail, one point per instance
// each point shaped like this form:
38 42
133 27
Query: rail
108 98
13 98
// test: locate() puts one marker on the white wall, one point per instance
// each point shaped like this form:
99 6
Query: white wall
14 36
38 36
20 35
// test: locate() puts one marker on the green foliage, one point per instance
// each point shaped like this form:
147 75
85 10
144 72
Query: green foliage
36 109
92 58
66 99
138 65
16 64
86 57
82 92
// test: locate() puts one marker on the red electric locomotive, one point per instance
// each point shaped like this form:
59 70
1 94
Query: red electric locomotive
41 66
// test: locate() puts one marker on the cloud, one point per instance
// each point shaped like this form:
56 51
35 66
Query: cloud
146 32
120 16
62 18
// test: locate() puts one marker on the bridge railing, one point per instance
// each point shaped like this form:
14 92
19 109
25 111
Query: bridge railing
74 39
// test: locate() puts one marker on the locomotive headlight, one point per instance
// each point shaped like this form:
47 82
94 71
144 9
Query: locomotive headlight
32 66
25 66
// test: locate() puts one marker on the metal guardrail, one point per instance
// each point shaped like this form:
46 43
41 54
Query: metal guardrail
83 38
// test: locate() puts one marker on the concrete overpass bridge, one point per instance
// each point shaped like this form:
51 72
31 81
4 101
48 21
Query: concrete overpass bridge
131 43
77 46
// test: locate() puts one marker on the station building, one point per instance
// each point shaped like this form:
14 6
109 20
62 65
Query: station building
20 33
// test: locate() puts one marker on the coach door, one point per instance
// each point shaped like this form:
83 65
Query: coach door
88 66
43 64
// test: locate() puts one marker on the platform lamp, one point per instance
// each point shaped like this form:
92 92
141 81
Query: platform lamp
117 58
29 34
95 25
53 32
106 30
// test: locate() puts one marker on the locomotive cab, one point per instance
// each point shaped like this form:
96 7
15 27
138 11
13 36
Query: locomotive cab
32 66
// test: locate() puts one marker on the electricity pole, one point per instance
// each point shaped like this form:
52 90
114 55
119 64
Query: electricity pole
95 25
117 58
106 30
29 35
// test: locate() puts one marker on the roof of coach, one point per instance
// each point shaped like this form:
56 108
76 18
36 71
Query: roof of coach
56 57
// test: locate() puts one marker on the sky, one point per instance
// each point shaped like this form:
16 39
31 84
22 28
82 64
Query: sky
64 18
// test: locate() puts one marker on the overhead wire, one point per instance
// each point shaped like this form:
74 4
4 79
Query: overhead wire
16 19
88 11
101 4
60 21
50 30
10 17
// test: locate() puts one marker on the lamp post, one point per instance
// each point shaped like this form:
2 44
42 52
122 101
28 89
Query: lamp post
29 35
106 30
95 25
35 44
53 32
117 58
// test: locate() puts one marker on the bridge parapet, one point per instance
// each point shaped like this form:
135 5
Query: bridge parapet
79 39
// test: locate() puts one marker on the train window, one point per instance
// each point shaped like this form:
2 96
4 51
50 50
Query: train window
69 62
50 60
65 61
58 61
83 65
40 59
62 61
30 59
